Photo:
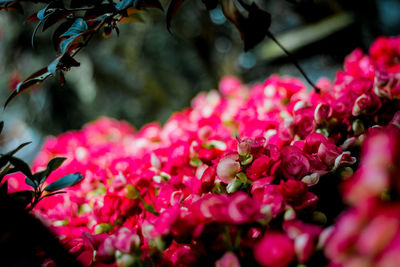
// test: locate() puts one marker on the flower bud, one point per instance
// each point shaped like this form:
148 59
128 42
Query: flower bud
344 159
234 186
243 148
322 112
358 127
311 179
290 214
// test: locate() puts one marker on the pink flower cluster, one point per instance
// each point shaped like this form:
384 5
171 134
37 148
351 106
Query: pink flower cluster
239 177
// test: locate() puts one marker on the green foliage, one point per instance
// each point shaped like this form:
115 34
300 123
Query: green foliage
29 198
65 181
78 21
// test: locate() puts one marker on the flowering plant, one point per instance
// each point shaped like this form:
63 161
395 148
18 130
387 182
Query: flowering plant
248 175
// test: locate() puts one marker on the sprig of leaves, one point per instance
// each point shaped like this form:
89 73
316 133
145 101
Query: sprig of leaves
29 198
79 21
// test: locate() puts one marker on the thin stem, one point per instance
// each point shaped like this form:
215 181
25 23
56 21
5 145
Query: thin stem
294 61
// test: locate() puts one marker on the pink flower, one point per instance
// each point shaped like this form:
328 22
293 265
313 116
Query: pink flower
259 168
385 53
83 249
359 65
228 167
215 207
366 104
207 179
328 153
304 122
229 259
274 250
243 209
294 163
229 85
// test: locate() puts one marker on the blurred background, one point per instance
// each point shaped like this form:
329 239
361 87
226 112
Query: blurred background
147 73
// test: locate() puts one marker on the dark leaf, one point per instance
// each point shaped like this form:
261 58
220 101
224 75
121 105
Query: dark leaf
30 182
24 197
65 181
34 33
124 4
54 164
256 26
66 44
79 26
55 17
12 152
172 10
252 28
1 126
41 15
52 67
210 4
21 166
35 78
62 28
38 176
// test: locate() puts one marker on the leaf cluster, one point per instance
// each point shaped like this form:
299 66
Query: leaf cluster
28 199
77 21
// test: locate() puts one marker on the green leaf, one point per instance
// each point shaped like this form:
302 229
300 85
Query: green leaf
65 181
234 186
21 166
55 163
40 176
52 165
